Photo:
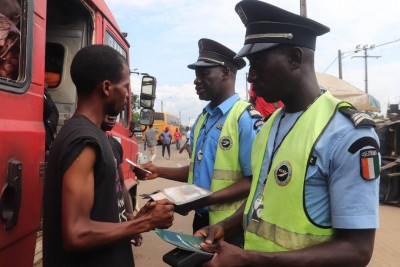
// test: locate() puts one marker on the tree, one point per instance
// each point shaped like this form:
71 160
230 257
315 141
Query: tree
135 107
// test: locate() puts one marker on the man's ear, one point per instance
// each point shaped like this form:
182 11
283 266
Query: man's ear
225 73
105 86
295 57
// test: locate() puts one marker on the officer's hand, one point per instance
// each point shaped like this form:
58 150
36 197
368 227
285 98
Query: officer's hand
226 255
211 234
142 175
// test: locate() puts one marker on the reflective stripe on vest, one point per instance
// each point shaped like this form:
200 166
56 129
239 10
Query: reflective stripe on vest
227 169
284 224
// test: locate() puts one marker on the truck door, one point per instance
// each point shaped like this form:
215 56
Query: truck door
21 132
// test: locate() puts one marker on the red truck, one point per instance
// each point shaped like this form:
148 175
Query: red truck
41 39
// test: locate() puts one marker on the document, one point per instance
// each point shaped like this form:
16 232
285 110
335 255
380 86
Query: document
183 241
181 194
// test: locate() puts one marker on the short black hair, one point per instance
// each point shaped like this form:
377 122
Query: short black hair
95 64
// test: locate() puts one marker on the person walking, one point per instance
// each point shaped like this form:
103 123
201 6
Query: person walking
166 138
177 137
314 196
150 141
83 198
220 139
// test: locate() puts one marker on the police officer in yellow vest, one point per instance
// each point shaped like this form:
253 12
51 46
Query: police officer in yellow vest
221 138
315 162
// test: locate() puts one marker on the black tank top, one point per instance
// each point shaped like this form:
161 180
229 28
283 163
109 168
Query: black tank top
69 143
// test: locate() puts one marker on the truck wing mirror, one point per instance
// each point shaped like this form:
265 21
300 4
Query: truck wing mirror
146 117
148 92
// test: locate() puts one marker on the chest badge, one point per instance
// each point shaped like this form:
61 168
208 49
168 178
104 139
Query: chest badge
283 173
225 142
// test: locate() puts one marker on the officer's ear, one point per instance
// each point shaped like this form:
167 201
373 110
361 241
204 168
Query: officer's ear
295 55
225 73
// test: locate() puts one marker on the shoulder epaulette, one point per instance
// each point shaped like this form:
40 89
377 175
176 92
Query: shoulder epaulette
254 113
359 118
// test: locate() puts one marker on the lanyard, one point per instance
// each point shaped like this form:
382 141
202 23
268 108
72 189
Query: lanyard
200 152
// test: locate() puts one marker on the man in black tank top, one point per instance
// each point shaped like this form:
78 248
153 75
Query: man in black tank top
82 225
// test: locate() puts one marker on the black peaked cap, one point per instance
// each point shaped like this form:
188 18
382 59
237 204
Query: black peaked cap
212 53
268 26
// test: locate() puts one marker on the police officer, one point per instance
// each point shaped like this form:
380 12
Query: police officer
221 138
314 196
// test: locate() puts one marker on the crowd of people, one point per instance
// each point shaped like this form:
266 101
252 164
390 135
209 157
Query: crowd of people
297 187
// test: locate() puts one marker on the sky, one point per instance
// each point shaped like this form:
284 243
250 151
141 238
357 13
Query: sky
164 34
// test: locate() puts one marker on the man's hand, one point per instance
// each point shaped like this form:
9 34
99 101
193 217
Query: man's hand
161 215
137 240
142 175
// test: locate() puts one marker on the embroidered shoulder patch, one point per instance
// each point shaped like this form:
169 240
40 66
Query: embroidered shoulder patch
369 164
254 113
357 117
258 124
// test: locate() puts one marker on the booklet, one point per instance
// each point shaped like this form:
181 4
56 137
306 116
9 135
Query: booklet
181 194
183 241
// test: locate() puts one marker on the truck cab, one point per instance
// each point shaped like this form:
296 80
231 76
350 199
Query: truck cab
42 37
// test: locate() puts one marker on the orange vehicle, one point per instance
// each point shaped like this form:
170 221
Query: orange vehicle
42 37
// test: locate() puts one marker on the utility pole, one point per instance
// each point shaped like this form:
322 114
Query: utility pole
366 56
340 64
303 8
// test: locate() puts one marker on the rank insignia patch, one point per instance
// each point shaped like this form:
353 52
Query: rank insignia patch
369 164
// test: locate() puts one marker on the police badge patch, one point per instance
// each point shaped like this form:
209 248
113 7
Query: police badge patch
225 142
283 173
369 164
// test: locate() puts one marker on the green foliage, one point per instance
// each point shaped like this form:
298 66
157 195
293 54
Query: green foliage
135 107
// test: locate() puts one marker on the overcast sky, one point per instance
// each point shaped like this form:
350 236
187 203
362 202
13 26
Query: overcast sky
163 35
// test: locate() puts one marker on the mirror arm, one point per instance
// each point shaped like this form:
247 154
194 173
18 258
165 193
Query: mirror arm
137 131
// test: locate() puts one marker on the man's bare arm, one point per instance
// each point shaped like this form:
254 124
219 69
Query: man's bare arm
78 230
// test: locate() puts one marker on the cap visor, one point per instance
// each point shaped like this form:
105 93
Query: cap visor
248 49
202 64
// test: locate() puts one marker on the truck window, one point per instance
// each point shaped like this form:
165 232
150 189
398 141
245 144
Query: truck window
12 24
54 64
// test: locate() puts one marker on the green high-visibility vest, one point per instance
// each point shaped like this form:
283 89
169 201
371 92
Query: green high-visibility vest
227 169
283 223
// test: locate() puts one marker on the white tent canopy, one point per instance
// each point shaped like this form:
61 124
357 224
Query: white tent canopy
347 92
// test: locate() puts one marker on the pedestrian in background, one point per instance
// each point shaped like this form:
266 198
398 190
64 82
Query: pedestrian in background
177 136
166 138
150 141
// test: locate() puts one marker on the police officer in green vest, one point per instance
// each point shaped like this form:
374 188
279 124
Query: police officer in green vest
315 162
221 139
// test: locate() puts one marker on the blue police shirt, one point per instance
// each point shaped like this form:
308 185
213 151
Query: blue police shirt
208 142
335 193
